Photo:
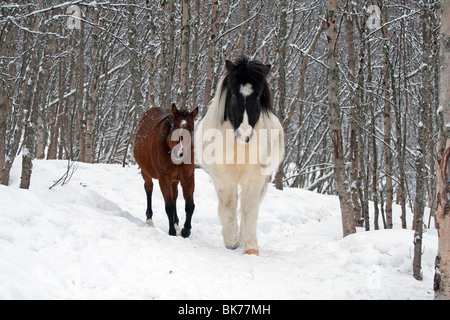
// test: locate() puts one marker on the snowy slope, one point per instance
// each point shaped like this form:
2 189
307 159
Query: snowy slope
88 240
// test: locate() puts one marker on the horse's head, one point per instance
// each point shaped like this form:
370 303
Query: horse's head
248 95
180 133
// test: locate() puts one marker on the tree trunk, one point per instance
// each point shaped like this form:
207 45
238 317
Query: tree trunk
31 110
401 130
425 107
387 117
355 180
136 72
442 266
282 52
16 134
196 55
211 53
348 225
55 118
182 99
93 89
169 54
80 96
5 88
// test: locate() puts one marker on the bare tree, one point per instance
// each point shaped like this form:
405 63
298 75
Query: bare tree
31 108
93 90
355 183
442 266
348 225
211 51
185 52
421 150
387 116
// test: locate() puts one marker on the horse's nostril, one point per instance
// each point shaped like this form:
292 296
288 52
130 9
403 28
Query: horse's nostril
181 155
247 139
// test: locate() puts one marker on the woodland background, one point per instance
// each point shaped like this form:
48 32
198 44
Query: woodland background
75 89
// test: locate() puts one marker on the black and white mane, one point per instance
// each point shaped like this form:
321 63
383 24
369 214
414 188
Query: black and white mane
243 72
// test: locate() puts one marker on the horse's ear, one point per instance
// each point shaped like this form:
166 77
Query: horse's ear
266 69
174 109
194 113
230 66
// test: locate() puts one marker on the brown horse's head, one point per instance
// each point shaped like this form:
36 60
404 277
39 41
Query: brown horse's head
180 134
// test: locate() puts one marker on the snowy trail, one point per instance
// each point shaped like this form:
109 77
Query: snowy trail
88 240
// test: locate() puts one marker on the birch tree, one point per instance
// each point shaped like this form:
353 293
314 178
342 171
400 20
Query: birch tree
421 150
31 109
387 115
211 52
442 265
335 121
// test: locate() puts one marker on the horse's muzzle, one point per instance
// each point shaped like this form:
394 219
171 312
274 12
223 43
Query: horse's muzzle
177 153
244 137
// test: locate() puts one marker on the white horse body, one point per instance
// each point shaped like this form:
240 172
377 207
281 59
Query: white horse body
231 163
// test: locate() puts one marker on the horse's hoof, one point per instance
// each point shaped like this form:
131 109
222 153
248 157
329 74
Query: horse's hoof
252 251
149 222
233 247
185 233
172 232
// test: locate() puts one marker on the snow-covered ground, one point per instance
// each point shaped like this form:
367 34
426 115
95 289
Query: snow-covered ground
88 240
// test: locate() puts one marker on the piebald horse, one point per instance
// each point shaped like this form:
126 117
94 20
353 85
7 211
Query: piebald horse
240 143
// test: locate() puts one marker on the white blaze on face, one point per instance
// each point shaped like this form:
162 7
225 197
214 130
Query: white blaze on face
245 130
246 90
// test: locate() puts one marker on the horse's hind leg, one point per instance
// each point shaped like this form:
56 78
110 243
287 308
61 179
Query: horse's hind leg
148 185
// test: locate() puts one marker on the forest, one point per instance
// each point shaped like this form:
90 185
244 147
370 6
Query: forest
77 75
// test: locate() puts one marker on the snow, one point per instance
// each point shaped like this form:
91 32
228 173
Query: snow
88 240
25 152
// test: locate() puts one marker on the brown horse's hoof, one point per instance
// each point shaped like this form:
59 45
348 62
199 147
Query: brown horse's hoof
252 251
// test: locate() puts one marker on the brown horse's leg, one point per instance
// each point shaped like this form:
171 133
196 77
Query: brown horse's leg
148 185
167 189
188 194
174 197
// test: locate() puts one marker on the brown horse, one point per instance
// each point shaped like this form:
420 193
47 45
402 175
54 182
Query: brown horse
164 151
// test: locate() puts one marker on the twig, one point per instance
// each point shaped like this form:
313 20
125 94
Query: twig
65 178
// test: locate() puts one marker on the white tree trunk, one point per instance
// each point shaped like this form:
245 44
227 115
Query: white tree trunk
348 225
442 267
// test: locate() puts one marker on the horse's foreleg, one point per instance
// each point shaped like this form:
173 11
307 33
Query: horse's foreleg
167 189
252 193
174 197
188 194
148 186
227 195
